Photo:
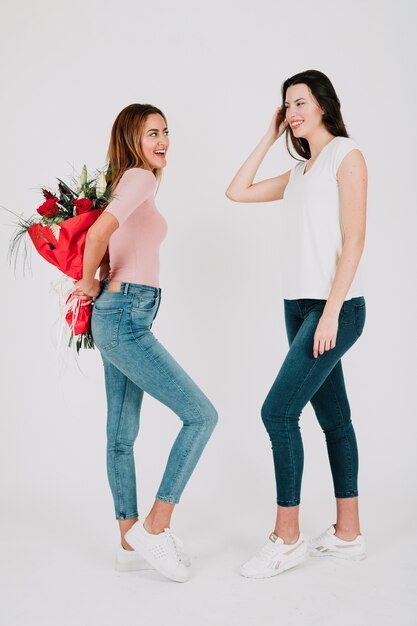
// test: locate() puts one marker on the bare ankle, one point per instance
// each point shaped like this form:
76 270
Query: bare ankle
125 525
288 537
346 533
154 527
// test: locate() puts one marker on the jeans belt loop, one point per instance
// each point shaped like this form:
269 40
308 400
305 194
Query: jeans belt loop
126 289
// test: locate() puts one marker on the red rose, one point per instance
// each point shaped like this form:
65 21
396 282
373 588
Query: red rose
49 208
83 205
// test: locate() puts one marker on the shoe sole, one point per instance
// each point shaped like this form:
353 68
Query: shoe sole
283 567
132 567
338 555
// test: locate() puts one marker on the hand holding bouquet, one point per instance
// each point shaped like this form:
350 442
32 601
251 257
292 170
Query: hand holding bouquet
59 236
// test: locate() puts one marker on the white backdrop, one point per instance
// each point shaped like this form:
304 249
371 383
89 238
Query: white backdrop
216 72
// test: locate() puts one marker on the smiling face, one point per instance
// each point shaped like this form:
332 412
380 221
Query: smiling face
154 141
302 111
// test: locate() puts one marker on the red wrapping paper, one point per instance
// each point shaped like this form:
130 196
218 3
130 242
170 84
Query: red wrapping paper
66 253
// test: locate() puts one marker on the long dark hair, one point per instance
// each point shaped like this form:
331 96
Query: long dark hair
325 94
124 149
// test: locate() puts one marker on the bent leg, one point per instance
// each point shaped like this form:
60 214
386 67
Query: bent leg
332 409
300 377
151 368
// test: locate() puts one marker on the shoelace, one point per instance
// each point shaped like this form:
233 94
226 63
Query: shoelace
324 535
268 550
176 541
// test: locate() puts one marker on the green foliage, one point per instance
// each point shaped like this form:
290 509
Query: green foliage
82 341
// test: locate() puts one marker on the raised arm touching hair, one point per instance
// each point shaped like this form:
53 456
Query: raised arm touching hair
242 187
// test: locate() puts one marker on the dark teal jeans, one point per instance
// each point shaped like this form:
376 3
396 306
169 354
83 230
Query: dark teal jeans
302 379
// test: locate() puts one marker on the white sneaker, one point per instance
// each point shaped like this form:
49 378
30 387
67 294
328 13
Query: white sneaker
162 551
131 561
327 544
275 557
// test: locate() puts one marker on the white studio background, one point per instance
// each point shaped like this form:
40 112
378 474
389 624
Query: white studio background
216 70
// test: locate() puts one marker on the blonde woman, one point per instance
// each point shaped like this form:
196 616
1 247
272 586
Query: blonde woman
324 206
125 306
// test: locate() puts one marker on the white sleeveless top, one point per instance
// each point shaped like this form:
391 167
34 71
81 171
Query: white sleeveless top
311 235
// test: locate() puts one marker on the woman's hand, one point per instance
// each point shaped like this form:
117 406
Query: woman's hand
86 290
278 124
325 335
242 188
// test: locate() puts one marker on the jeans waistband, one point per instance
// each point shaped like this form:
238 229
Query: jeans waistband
132 288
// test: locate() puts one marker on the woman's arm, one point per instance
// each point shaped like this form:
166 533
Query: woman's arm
135 186
96 244
242 189
353 181
104 267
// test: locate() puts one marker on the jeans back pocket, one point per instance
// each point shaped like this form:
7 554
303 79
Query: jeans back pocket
105 325
143 312
360 317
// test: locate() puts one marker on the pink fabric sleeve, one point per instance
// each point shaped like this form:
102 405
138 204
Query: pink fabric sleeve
135 186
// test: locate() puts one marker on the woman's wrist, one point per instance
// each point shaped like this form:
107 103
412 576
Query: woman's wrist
269 139
88 283
85 289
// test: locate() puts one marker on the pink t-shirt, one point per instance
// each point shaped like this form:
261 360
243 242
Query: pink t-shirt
134 246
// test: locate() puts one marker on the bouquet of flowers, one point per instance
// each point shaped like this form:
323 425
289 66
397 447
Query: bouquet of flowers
59 236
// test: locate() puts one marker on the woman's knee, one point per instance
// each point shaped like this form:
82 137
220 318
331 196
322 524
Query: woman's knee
272 411
265 412
210 416
199 414
278 419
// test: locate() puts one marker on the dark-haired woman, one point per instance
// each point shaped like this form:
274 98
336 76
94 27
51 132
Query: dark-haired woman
134 361
323 233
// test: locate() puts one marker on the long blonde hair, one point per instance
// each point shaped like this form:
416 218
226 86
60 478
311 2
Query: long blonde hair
124 151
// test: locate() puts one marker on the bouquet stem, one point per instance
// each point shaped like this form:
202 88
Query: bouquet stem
85 340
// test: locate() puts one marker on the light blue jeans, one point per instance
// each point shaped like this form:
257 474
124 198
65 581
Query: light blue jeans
135 362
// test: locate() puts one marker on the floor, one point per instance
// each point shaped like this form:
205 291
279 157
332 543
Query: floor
59 571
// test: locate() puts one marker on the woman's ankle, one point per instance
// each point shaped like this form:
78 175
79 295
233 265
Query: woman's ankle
347 533
155 527
288 536
125 525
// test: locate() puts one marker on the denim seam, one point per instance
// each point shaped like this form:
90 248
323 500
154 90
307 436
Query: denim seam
294 502
291 456
120 517
195 408
353 493
166 499
286 420
300 386
117 442
182 464
290 448
357 309
299 308
163 370
116 329
346 439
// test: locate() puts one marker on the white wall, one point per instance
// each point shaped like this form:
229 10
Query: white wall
216 71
